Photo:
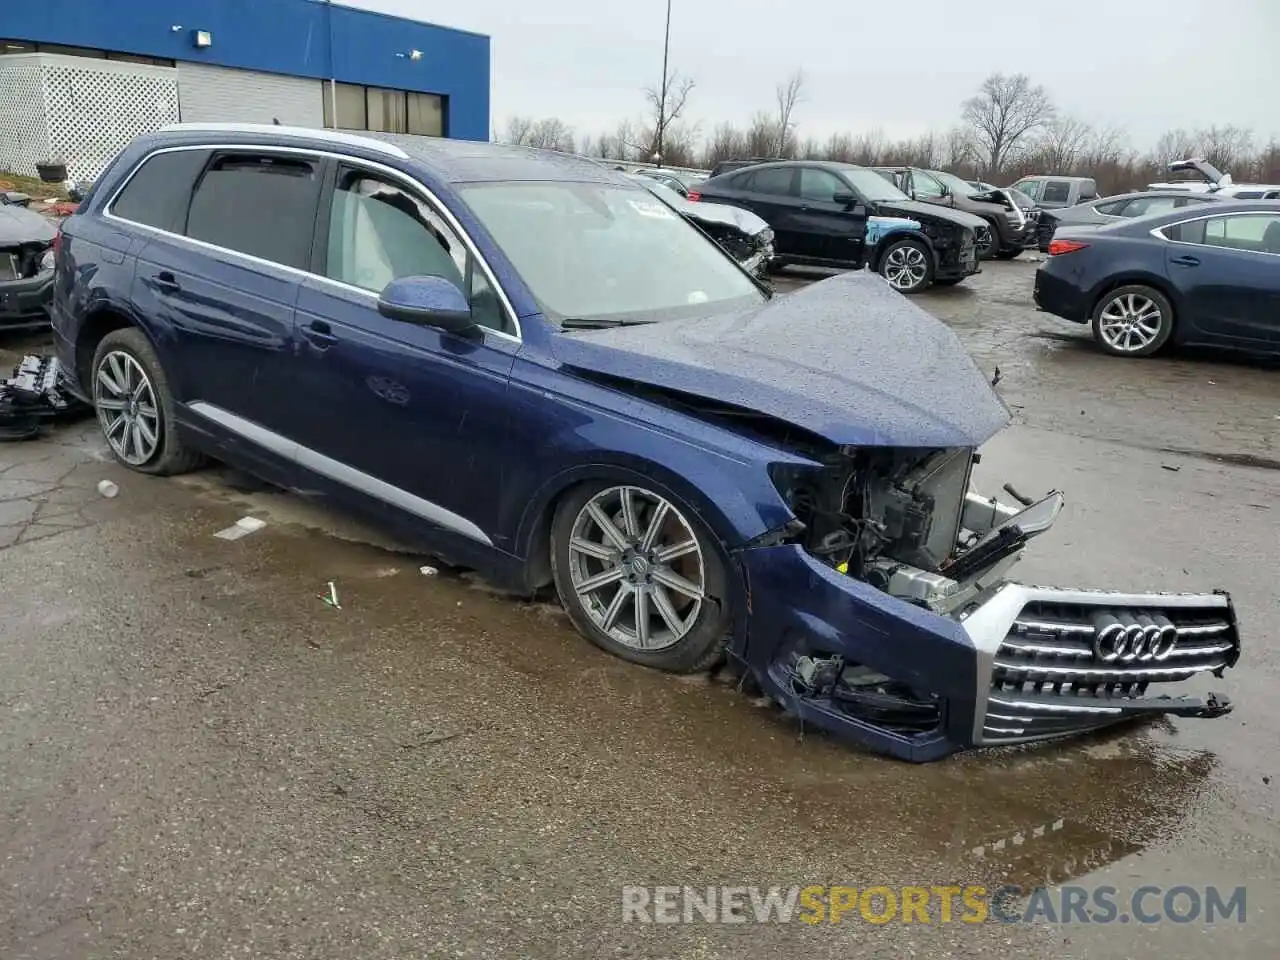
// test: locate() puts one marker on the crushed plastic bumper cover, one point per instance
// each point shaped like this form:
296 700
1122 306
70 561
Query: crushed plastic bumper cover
36 394
1020 666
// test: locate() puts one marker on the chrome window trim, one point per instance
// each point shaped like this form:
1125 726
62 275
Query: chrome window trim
320 133
340 472
1156 231
445 214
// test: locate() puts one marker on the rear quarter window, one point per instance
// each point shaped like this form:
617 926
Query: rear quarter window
1057 191
158 193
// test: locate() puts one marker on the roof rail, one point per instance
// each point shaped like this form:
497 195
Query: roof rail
313 133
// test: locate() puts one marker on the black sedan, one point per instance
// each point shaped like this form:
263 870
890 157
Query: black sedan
1205 275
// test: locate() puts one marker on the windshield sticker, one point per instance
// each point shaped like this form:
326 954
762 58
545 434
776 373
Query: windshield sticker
652 208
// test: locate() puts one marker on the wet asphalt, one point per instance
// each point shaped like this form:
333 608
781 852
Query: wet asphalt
200 758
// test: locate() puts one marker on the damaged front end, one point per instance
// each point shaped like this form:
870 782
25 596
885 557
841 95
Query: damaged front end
883 613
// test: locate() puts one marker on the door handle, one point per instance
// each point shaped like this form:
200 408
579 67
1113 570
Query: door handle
320 334
166 282
1186 261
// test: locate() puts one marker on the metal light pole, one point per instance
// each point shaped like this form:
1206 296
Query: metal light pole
662 105
333 80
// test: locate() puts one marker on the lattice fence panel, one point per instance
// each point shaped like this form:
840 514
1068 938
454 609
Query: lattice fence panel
24 133
97 108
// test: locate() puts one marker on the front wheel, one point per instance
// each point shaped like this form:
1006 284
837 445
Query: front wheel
1133 321
640 577
908 266
1010 254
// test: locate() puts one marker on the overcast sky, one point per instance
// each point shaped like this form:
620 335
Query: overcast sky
901 66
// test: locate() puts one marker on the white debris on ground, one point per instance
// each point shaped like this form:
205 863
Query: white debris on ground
241 528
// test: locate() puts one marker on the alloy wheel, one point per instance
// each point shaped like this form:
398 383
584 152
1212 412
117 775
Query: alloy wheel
1130 323
637 568
127 408
905 267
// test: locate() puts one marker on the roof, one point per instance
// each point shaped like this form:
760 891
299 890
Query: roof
455 161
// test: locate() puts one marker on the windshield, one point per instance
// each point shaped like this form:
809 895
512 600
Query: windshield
871 185
608 253
953 183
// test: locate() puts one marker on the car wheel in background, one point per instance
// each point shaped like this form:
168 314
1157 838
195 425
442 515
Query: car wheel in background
1009 254
907 265
639 576
1133 321
135 408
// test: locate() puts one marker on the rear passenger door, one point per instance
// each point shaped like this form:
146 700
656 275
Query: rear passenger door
769 192
223 284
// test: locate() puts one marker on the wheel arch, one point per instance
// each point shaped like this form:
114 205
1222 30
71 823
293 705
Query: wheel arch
1143 278
888 241
99 320
725 510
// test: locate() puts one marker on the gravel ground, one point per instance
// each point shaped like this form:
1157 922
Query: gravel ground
199 758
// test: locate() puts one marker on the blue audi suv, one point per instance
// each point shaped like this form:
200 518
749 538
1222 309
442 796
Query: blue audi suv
534 367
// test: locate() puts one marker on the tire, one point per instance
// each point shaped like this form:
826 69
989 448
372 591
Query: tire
949 282
1011 254
904 259
126 357
1116 326
689 634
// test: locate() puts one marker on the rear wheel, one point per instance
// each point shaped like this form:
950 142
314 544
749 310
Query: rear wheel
908 266
639 577
135 408
1133 321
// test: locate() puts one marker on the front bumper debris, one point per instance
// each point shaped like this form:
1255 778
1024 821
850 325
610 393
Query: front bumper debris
24 303
36 394
1019 665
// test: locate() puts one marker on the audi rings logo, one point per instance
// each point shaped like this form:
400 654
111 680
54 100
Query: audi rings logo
1130 638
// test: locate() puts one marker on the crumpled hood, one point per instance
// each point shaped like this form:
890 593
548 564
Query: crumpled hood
20 225
848 358
919 210
725 214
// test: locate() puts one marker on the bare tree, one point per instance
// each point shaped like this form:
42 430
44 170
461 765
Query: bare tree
1006 112
788 95
958 149
1064 142
667 105
1227 148
762 135
517 131
839 146
1174 145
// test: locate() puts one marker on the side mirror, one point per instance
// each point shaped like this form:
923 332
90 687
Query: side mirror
844 199
946 191
427 301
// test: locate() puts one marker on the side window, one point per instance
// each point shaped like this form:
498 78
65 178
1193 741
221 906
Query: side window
379 232
1259 232
158 193
775 181
260 204
820 185
1189 232
1030 187
1057 191
925 186
1143 206
1113 208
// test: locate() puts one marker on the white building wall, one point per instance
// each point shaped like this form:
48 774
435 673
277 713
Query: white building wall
78 110
211 94
24 129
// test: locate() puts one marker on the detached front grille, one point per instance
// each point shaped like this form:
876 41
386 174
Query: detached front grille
1067 667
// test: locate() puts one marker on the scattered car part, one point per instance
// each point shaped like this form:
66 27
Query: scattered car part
35 395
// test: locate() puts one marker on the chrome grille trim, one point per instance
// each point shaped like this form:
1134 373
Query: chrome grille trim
1121 673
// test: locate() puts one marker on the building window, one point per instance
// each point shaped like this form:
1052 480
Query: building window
26 46
386 111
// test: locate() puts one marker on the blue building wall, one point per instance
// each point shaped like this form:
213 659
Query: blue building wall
277 36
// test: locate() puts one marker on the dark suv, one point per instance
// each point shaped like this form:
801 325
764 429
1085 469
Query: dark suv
819 209
1011 232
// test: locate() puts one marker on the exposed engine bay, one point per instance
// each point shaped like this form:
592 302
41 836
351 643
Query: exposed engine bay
904 521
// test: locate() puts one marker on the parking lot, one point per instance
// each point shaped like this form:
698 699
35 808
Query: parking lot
204 759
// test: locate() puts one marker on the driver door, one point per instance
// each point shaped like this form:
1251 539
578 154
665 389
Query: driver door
831 227
402 413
